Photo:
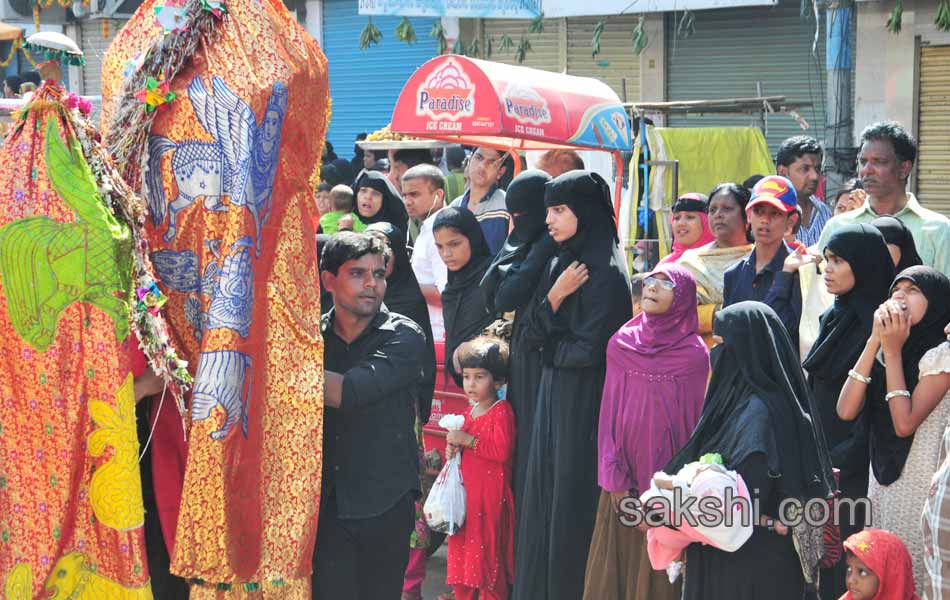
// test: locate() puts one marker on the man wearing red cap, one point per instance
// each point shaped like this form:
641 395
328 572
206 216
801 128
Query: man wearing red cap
770 273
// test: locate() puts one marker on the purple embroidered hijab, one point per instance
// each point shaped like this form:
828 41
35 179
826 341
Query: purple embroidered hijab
657 369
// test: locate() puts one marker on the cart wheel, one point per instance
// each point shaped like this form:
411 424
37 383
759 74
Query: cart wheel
436 539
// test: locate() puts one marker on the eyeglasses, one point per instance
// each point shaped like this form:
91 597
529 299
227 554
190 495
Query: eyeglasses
664 283
478 157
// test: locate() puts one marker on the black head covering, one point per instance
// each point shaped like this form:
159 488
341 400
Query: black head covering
464 305
329 174
693 202
356 163
888 451
466 223
344 171
895 232
403 296
756 360
525 202
928 333
393 210
845 326
588 196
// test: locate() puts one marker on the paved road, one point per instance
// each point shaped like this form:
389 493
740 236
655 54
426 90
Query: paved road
435 575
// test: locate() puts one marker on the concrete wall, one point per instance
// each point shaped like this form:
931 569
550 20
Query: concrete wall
886 74
653 63
313 20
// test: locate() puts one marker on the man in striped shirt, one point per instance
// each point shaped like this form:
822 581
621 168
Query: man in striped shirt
799 159
484 198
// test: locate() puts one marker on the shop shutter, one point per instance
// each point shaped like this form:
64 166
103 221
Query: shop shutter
933 162
734 48
545 47
616 65
94 45
364 84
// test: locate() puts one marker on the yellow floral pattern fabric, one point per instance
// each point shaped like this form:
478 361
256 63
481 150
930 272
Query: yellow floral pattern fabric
46 399
115 490
230 161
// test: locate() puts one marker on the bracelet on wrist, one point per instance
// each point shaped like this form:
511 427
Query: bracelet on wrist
859 377
474 441
895 394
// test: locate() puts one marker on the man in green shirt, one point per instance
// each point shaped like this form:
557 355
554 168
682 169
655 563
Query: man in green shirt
884 165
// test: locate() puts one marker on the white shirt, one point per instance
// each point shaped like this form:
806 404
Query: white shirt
430 270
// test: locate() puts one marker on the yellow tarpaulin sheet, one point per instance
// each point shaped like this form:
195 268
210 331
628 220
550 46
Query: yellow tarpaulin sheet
707 156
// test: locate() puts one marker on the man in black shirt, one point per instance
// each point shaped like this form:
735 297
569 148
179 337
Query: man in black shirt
373 362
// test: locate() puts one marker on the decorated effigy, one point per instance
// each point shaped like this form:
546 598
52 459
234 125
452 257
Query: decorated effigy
75 289
217 112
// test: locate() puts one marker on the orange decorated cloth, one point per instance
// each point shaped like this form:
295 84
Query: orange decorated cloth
231 209
71 515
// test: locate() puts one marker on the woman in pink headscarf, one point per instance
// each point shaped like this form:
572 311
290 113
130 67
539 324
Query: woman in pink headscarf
690 225
657 367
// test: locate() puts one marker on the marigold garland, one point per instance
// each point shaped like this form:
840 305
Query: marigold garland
17 44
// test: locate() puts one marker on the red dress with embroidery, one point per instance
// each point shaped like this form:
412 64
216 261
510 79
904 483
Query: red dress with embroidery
481 553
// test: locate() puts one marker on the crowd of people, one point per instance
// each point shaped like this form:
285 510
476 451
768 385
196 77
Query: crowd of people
799 340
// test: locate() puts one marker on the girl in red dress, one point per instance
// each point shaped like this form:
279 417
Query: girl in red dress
481 553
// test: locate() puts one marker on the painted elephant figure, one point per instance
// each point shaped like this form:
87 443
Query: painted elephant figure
223 378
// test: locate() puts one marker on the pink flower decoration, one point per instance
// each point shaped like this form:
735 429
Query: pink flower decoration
74 100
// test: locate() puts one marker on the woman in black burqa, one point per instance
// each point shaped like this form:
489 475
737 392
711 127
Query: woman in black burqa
464 303
855 255
403 296
583 297
390 210
509 285
900 242
756 416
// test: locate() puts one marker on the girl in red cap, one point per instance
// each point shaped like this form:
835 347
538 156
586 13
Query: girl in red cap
879 567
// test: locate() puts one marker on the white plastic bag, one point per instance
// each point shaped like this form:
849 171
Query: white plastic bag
445 507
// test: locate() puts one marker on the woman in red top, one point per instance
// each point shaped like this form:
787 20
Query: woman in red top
481 553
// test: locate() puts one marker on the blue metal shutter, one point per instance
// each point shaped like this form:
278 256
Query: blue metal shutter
364 84
735 47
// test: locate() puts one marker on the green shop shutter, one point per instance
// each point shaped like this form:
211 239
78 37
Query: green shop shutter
616 62
545 48
734 48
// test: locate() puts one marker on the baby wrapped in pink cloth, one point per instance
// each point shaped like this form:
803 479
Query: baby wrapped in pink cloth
706 478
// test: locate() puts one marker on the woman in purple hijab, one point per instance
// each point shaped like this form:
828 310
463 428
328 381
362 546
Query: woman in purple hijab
657 368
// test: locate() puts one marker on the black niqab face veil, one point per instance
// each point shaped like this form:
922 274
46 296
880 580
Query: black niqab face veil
392 210
756 359
845 327
896 233
525 202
